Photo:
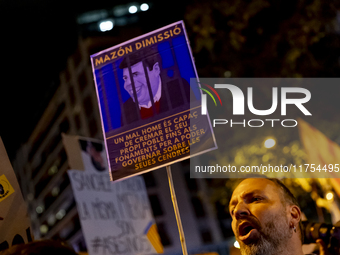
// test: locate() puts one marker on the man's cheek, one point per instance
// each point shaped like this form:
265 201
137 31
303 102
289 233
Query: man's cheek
233 227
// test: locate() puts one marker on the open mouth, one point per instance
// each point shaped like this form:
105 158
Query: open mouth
245 229
247 232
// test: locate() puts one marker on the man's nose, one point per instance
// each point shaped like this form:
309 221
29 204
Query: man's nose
241 210
127 83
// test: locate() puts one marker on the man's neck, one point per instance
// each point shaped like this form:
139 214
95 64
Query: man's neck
292 248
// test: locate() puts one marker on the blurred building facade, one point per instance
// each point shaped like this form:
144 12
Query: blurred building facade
41 166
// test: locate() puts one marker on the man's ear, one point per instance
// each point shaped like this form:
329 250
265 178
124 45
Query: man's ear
156 69
295 214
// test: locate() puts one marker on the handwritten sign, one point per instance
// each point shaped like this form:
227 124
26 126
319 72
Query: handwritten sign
14 220
116 218
150 112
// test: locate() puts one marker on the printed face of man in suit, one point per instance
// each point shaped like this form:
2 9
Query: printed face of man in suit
139 79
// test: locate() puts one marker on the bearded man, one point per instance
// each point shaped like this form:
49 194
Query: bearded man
266 219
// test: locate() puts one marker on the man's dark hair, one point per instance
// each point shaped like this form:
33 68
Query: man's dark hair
149 55
288 195
288 198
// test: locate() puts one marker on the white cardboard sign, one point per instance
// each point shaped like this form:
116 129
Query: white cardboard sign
116 218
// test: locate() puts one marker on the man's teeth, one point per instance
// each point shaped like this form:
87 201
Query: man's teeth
137 90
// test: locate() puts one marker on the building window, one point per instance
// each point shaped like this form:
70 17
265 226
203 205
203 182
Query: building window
64 183
191 183
82 81
36 170
39 187
93 127
206 236
77 121
198 207
67 75
53 143
72 95
64 126
77 58
149 180
62 158
88 107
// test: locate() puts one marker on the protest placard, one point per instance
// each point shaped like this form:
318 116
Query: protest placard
116 218
150 112
14 221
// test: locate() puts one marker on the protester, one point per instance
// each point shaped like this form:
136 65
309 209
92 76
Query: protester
266 219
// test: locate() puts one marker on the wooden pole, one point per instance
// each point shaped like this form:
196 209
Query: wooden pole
178 217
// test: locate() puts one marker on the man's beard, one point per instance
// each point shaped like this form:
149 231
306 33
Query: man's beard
273 238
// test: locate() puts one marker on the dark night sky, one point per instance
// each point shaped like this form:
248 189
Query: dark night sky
37 36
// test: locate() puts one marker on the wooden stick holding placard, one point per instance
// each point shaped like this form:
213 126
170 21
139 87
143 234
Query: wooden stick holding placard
178 217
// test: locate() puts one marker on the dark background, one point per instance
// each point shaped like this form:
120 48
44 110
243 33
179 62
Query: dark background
237 38
36 39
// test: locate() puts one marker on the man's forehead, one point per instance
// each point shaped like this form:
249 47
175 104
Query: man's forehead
136 67
253 185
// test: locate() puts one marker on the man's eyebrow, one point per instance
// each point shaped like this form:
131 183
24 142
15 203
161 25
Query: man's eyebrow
245 195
